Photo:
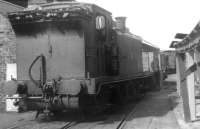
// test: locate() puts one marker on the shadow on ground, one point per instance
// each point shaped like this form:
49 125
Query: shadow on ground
156 104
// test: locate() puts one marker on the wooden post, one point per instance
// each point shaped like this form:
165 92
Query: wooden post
197 59
160 71
181 57
197 82
179 69
190 85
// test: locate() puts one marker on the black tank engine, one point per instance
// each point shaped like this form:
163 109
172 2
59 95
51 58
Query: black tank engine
73 55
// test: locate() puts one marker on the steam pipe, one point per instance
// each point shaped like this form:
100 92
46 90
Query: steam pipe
43 64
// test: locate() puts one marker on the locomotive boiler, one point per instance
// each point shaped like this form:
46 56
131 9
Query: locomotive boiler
73 55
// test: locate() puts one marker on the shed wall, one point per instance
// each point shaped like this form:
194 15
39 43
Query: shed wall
7 46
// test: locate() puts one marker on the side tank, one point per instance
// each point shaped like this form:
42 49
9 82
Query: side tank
130 58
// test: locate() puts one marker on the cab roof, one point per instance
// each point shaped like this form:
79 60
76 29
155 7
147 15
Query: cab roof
55 11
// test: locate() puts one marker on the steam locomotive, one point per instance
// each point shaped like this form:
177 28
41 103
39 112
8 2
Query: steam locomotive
73 55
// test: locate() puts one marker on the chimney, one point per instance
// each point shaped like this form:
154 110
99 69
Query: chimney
121 23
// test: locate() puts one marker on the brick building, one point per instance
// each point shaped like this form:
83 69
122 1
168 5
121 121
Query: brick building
7 37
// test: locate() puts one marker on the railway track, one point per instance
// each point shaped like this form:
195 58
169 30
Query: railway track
117 120
81 125
69 125
113 121
120 124
123 122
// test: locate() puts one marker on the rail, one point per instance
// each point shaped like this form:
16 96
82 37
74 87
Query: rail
123 122
69 125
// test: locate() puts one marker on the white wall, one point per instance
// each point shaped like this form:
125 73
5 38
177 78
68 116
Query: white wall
11 71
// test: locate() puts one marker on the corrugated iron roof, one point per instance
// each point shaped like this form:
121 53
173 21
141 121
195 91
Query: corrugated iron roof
6 7
22 3
180 36
190 41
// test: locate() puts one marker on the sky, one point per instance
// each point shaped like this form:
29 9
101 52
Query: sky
156 21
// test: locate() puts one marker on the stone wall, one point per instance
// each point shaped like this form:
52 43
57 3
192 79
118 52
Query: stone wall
7 45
